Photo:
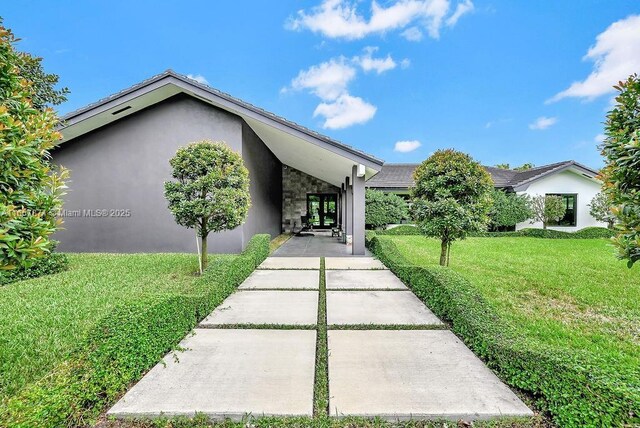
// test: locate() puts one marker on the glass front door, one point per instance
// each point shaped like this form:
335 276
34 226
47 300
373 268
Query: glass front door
322 209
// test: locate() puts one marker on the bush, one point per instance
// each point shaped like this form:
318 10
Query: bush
54 263
508 209
381 208
573 389
586 233
124 345
405 229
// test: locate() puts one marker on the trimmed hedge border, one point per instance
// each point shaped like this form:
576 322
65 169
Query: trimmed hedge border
124 345
53 263
586 233
576 391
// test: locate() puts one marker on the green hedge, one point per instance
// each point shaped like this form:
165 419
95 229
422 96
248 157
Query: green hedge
575 389
586 233
53 263
124 345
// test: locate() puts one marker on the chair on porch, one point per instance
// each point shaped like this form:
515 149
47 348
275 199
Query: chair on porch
336 231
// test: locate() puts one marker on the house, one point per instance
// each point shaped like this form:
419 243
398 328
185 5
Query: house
118 152
576 183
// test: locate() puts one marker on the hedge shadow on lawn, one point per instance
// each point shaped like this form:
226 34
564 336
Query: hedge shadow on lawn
576 389
124 345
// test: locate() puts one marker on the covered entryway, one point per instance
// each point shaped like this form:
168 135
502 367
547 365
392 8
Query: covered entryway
322 210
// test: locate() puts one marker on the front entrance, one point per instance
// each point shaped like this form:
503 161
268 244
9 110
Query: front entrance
322 209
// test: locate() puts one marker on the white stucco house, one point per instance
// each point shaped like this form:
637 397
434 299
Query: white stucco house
575 183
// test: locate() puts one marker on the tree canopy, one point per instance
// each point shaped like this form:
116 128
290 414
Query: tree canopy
621 174
600 209
211 191
451 198
547 209
509 209
31 188
382 208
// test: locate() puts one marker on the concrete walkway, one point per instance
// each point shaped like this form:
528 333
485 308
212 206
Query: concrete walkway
255 354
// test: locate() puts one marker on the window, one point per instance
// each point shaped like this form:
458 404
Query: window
570 216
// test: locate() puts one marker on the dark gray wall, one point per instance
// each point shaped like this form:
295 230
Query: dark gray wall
266 186
123 166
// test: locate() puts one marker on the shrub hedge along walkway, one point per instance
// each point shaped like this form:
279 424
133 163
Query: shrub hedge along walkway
577 389
295 349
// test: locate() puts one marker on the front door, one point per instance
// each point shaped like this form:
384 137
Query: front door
322 209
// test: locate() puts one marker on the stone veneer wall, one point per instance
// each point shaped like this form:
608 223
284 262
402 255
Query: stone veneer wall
295 186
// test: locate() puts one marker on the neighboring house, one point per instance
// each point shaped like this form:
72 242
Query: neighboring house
118 151
576 183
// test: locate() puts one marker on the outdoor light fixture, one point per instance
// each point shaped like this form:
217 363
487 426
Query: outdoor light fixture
361 170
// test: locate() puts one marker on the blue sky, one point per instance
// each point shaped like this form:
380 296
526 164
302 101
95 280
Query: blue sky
506 81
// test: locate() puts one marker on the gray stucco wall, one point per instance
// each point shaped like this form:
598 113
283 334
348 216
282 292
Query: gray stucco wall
266 186
123 166
295 186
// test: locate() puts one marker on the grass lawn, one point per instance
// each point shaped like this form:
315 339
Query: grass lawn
570 293
42 319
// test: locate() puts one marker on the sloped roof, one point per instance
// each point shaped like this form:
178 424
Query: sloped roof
71 118
400 175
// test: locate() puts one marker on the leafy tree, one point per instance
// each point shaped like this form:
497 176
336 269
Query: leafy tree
382 208
509 209
31 188
211 193
600 209
523 167
547 209
621 174
451 198
44 84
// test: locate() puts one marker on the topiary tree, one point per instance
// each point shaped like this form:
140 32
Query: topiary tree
547 208
600 209
211 191
508 209
382 208
451 198
31 188
621 174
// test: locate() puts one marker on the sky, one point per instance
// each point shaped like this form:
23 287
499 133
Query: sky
505 81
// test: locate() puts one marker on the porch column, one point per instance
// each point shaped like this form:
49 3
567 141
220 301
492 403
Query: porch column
349 210
357 201
343 211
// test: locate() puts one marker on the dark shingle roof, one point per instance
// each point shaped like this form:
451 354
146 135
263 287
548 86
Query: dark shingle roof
213 91
400 175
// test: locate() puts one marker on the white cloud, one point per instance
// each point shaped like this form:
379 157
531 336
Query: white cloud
405 63
198 78
462 8
413 34
406 146
327 80
616 55
345 111
341 18
543 122
368 63
599 138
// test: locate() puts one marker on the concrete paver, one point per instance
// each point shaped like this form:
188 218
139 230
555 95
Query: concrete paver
295 279
266 307
229 373
413 374
366 279
377 307
353 263
290 263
